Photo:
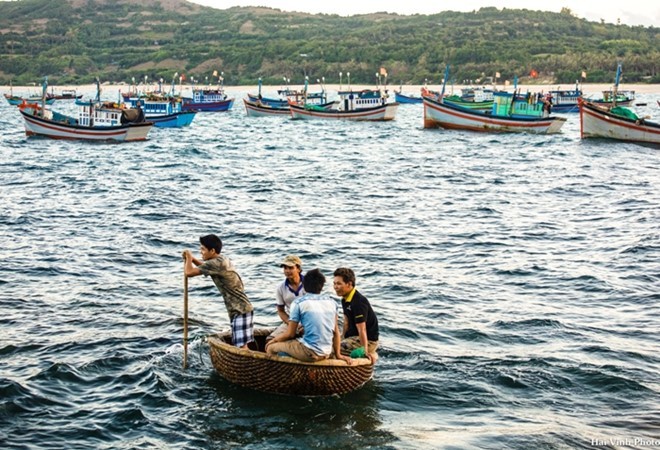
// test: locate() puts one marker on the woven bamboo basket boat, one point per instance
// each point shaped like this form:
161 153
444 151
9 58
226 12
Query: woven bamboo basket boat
283 374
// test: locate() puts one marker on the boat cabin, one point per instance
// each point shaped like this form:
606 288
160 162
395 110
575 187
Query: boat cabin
565 97
365 99
100 115
208 95
523 105
477 94
621 96
156 106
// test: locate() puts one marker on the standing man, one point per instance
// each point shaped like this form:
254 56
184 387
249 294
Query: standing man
360 330
290 289
229 283
318 314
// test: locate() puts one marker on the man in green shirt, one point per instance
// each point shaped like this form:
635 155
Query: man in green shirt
229 283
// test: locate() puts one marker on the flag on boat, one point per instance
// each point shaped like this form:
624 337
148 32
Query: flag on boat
584 75
533 73
497 75
215 73
383 71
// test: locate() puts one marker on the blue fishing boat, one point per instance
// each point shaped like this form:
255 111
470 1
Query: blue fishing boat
164 112
163 109
209 100
400 97
565 101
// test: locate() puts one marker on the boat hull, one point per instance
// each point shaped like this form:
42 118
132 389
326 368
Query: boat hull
255 109
483 106
273 102
440 115
565 108
176 120
224 105
406 99
627 102
38 126
378 113
16 101
598 122
282 374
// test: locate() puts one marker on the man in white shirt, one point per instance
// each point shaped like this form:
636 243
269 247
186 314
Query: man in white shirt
290 289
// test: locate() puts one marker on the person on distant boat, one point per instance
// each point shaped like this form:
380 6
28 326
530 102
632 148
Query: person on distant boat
229 283
317 313
360 328
290 289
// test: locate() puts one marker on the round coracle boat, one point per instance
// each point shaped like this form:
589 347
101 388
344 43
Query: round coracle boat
283 374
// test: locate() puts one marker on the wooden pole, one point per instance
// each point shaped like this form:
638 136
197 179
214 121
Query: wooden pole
185 317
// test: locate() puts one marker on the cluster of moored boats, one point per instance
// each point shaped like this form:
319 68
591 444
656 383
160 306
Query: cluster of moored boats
476 109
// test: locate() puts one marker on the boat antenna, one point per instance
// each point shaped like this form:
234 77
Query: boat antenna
259 87
98 90
444 82
306 83
44 90
340 75
616 84
348 75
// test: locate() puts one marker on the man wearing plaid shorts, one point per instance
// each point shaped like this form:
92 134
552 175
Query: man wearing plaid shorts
229 283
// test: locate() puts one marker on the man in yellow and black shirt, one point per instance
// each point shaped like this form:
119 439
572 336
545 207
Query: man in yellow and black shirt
360 330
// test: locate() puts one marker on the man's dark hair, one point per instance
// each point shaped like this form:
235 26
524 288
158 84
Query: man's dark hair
346 274
314 281
212 242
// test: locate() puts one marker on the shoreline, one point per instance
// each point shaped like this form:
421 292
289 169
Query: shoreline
586 88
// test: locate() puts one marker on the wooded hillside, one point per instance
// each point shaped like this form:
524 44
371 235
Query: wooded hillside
74 41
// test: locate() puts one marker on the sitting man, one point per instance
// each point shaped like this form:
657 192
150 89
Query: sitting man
290 289
360 328
317 313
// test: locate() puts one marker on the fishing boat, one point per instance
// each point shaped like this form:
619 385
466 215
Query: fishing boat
470 98
565 101
207 99
259 109
66 94
510 113
17 100
615 97
619 123
282 374
299 96
312 98
407 99
477 94
163 111
95 122
105 122
367 104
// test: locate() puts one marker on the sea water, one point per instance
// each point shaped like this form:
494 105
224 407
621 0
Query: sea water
516 279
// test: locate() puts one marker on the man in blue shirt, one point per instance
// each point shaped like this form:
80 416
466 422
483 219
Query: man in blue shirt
317 313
